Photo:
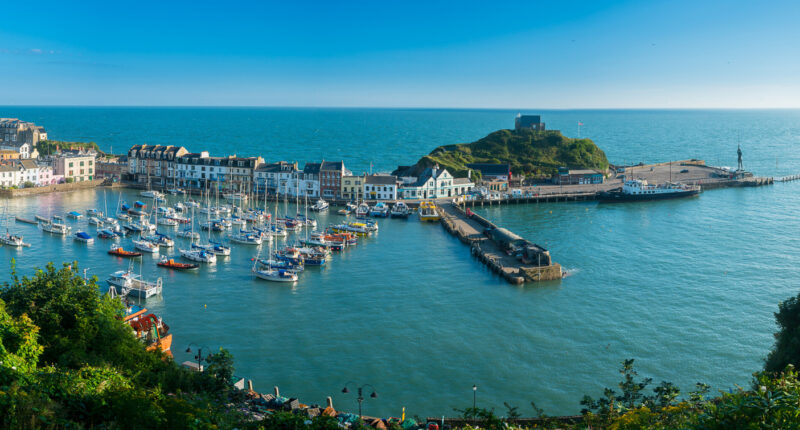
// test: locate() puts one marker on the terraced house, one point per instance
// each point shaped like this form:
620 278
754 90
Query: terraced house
330 179
154 164
274 176
201 171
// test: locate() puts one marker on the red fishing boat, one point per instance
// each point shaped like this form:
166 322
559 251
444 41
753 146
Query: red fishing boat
119 252
172 264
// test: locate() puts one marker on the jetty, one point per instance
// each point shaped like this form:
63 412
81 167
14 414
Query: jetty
515 259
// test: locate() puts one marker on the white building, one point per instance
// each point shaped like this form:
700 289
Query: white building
75 164
19 172
24 149
274 177
380 187
435 183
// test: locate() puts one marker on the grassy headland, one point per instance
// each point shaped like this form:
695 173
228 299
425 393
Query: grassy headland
529 152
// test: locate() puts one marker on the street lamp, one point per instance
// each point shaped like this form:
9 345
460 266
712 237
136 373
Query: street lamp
360 398
199 355
474 396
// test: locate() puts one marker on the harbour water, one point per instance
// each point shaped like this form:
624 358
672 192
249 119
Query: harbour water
686 287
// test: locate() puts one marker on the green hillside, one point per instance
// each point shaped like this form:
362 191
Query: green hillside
48 147
529 152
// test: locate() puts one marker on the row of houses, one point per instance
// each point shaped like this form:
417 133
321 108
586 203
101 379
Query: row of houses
20 137
173 166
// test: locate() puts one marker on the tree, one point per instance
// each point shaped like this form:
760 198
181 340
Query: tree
28 184
787 340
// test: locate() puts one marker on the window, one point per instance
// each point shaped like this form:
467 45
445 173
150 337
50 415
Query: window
70 164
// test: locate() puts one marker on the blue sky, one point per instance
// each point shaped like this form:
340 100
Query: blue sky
482 54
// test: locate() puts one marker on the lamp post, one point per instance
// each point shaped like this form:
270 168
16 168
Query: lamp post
474 397
360 398
199 355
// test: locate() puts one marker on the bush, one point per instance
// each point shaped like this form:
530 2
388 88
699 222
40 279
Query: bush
69 180
28 184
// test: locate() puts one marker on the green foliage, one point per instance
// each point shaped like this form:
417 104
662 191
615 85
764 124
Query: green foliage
787 340
69 180
529 152
28 184
68 360
48 147
291 421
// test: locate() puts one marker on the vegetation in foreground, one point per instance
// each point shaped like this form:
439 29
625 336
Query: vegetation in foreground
529 152
68 361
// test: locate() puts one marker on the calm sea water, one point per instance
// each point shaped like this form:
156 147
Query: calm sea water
688 288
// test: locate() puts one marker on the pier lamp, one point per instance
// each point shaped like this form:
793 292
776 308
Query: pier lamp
474 397
360 398
199 355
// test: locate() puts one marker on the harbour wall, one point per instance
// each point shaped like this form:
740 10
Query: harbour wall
469 229
22 192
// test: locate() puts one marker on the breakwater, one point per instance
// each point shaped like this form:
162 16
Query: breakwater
510 256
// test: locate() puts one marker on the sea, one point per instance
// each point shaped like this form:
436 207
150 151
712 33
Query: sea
688 288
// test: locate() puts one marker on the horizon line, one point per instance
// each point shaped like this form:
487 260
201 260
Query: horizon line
394 107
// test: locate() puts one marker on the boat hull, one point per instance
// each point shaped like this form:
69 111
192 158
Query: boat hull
618 196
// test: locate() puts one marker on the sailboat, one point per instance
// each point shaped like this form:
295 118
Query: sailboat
269 273
199 255
212 247
11 239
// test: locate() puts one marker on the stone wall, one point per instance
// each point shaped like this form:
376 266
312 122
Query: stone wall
21 192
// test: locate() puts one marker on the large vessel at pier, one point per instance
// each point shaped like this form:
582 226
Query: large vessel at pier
638 189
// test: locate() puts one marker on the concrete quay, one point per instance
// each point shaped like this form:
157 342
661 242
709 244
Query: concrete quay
490 243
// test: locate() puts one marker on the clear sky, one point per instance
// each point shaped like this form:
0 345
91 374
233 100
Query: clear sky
479 54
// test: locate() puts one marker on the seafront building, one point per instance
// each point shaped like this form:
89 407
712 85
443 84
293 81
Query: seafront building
330 179
18 173
74 165
274 176
173 166
380 187
435 182
352 187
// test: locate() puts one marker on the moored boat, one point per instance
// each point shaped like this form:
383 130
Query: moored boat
145 246
74 215
84 237
380 210
131 284
428 212
120 252
9 239
319 206
53 227
399 210
634 190
172 264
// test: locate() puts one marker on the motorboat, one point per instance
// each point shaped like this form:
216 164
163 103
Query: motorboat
107 234
9 239
362 210
379 210
319 206
152 194
161 240
93 220
399 210
74 215
54 227
131 284
427 211
84 237
145 246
